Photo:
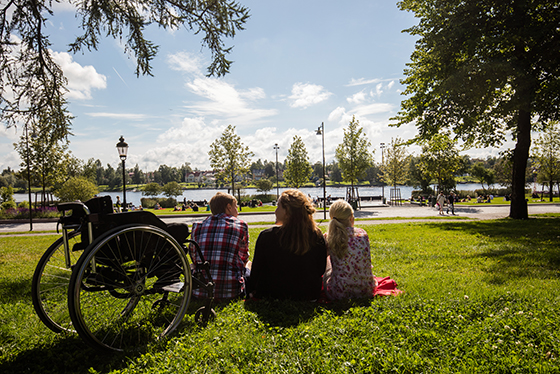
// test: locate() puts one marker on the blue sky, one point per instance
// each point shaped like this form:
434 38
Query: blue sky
297 64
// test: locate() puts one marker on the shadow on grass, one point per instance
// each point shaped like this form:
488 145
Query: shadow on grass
68 355
519 249
14 291
287 313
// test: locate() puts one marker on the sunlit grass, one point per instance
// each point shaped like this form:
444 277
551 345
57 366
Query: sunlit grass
480 296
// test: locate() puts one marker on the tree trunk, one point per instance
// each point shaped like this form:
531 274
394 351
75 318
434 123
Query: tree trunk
518 207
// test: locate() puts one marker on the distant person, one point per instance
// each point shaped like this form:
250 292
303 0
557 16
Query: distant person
224 241
348 272
118 204
289 259
441 202
451 203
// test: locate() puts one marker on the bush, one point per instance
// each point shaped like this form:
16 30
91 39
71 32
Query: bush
150 203
265 198
23 213
76 188
7 198
10 204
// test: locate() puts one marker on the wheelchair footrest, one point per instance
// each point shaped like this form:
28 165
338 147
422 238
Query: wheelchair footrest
174 287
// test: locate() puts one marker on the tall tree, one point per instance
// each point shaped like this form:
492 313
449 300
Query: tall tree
483 174
90 170
353 155
298 169
335 175
547 158
33 85
229 156
440 161
172 189
151 189
416 177
46 156
484 69
394 168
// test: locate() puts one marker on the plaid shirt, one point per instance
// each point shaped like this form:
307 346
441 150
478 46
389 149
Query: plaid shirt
224 241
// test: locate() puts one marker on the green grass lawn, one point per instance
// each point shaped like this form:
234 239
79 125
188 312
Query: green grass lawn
501 201
480 297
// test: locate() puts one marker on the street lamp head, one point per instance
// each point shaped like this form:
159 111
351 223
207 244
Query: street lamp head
122 147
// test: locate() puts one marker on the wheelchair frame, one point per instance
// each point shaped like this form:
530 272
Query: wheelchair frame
120 280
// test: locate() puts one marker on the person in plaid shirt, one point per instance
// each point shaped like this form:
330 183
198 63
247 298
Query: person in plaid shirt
224 241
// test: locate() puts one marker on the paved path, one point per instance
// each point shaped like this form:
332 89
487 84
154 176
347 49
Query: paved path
407 212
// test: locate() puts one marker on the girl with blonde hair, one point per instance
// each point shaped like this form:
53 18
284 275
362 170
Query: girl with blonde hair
349 275
290 258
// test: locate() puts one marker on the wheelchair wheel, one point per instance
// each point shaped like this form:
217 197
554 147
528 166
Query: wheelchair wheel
130 287
49 287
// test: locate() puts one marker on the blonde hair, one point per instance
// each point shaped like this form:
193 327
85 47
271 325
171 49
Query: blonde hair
298 228
220 201
337 237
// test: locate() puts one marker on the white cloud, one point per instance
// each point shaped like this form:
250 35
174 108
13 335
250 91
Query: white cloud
185 62
129 116
379 89
375 108
362 81
306 94
337 114
223 100
253 93
81 79
63 6
357 98
188 142
9 133
10 159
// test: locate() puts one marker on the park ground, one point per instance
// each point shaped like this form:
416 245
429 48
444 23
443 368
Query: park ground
480 295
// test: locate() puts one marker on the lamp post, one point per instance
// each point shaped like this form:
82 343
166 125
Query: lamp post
29 178
277 190
321 131
382 146
122 148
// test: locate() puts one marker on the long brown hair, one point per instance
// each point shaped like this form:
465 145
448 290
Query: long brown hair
299 228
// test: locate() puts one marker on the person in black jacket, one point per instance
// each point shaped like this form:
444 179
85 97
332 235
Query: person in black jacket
451 203
289 259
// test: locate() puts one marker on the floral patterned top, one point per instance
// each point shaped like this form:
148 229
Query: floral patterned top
351 276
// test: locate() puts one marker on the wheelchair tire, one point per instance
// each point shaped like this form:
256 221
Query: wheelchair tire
130 287
49 287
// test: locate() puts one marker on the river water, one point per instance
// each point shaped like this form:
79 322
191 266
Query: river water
205 194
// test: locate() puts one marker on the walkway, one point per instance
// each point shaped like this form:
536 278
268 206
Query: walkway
407 212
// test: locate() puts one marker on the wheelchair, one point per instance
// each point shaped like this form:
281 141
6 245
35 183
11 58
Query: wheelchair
120 280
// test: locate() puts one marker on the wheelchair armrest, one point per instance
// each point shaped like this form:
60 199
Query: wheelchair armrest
75 205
